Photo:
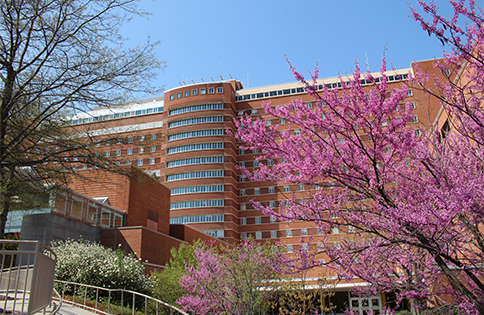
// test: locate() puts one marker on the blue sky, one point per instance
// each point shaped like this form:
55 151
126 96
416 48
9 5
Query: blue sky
249 39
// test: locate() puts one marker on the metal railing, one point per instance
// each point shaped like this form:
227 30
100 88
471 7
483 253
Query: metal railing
26 276
113 301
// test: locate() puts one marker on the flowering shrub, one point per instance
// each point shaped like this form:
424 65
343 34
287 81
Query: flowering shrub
91 263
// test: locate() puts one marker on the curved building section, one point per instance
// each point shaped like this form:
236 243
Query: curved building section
200 156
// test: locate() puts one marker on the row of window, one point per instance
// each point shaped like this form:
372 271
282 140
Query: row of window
215 233
196 189
197 160
197 204
195 147
195 120
194 92
198 219
329 86
129 151
196 133
117 115
195 108
197 174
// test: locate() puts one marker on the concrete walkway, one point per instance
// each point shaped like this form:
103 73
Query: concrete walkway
66 309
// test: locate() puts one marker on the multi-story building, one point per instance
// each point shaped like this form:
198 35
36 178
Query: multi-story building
181 138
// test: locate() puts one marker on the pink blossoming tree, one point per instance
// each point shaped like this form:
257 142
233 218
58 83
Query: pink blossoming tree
237 280
412 203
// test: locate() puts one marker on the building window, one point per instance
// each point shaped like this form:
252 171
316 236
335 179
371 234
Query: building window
153 148
255 151
309 104
258 235
243 235
211 90
118 152
272 204
243 206
296 132
273 220
186 93
196 120
153 136
242 192
414 118
242 178
282 121
107 154
194 92
351 229
129 151
304 232
141 138
272 190
196 189
413 105
268 122
203 91
417 132
240 113
256 191
270 162
196 133
253 112
289 249
197 204
409 92
141 150
140 162
120 141
196 174
335 230
197 160
197 219
305 247
130 139
128 163
220 90
255 164
288 233
273 234
258 220
319 231
172 97
300 187
195 147
243 221
286 188
152 161
178 95
241 151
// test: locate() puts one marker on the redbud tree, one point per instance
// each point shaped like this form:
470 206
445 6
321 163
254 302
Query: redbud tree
412 202
240 279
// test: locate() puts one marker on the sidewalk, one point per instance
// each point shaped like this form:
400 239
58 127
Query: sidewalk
67 309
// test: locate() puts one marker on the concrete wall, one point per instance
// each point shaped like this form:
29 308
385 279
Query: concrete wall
46 227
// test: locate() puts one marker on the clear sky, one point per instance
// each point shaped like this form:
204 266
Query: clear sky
249 39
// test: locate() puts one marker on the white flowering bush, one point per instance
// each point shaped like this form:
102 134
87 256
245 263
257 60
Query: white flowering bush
91 263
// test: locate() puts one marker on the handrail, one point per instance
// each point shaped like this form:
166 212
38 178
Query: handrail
109 291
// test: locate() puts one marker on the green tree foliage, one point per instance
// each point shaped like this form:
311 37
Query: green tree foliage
167 282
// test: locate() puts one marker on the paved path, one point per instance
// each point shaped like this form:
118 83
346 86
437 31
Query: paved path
67 309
